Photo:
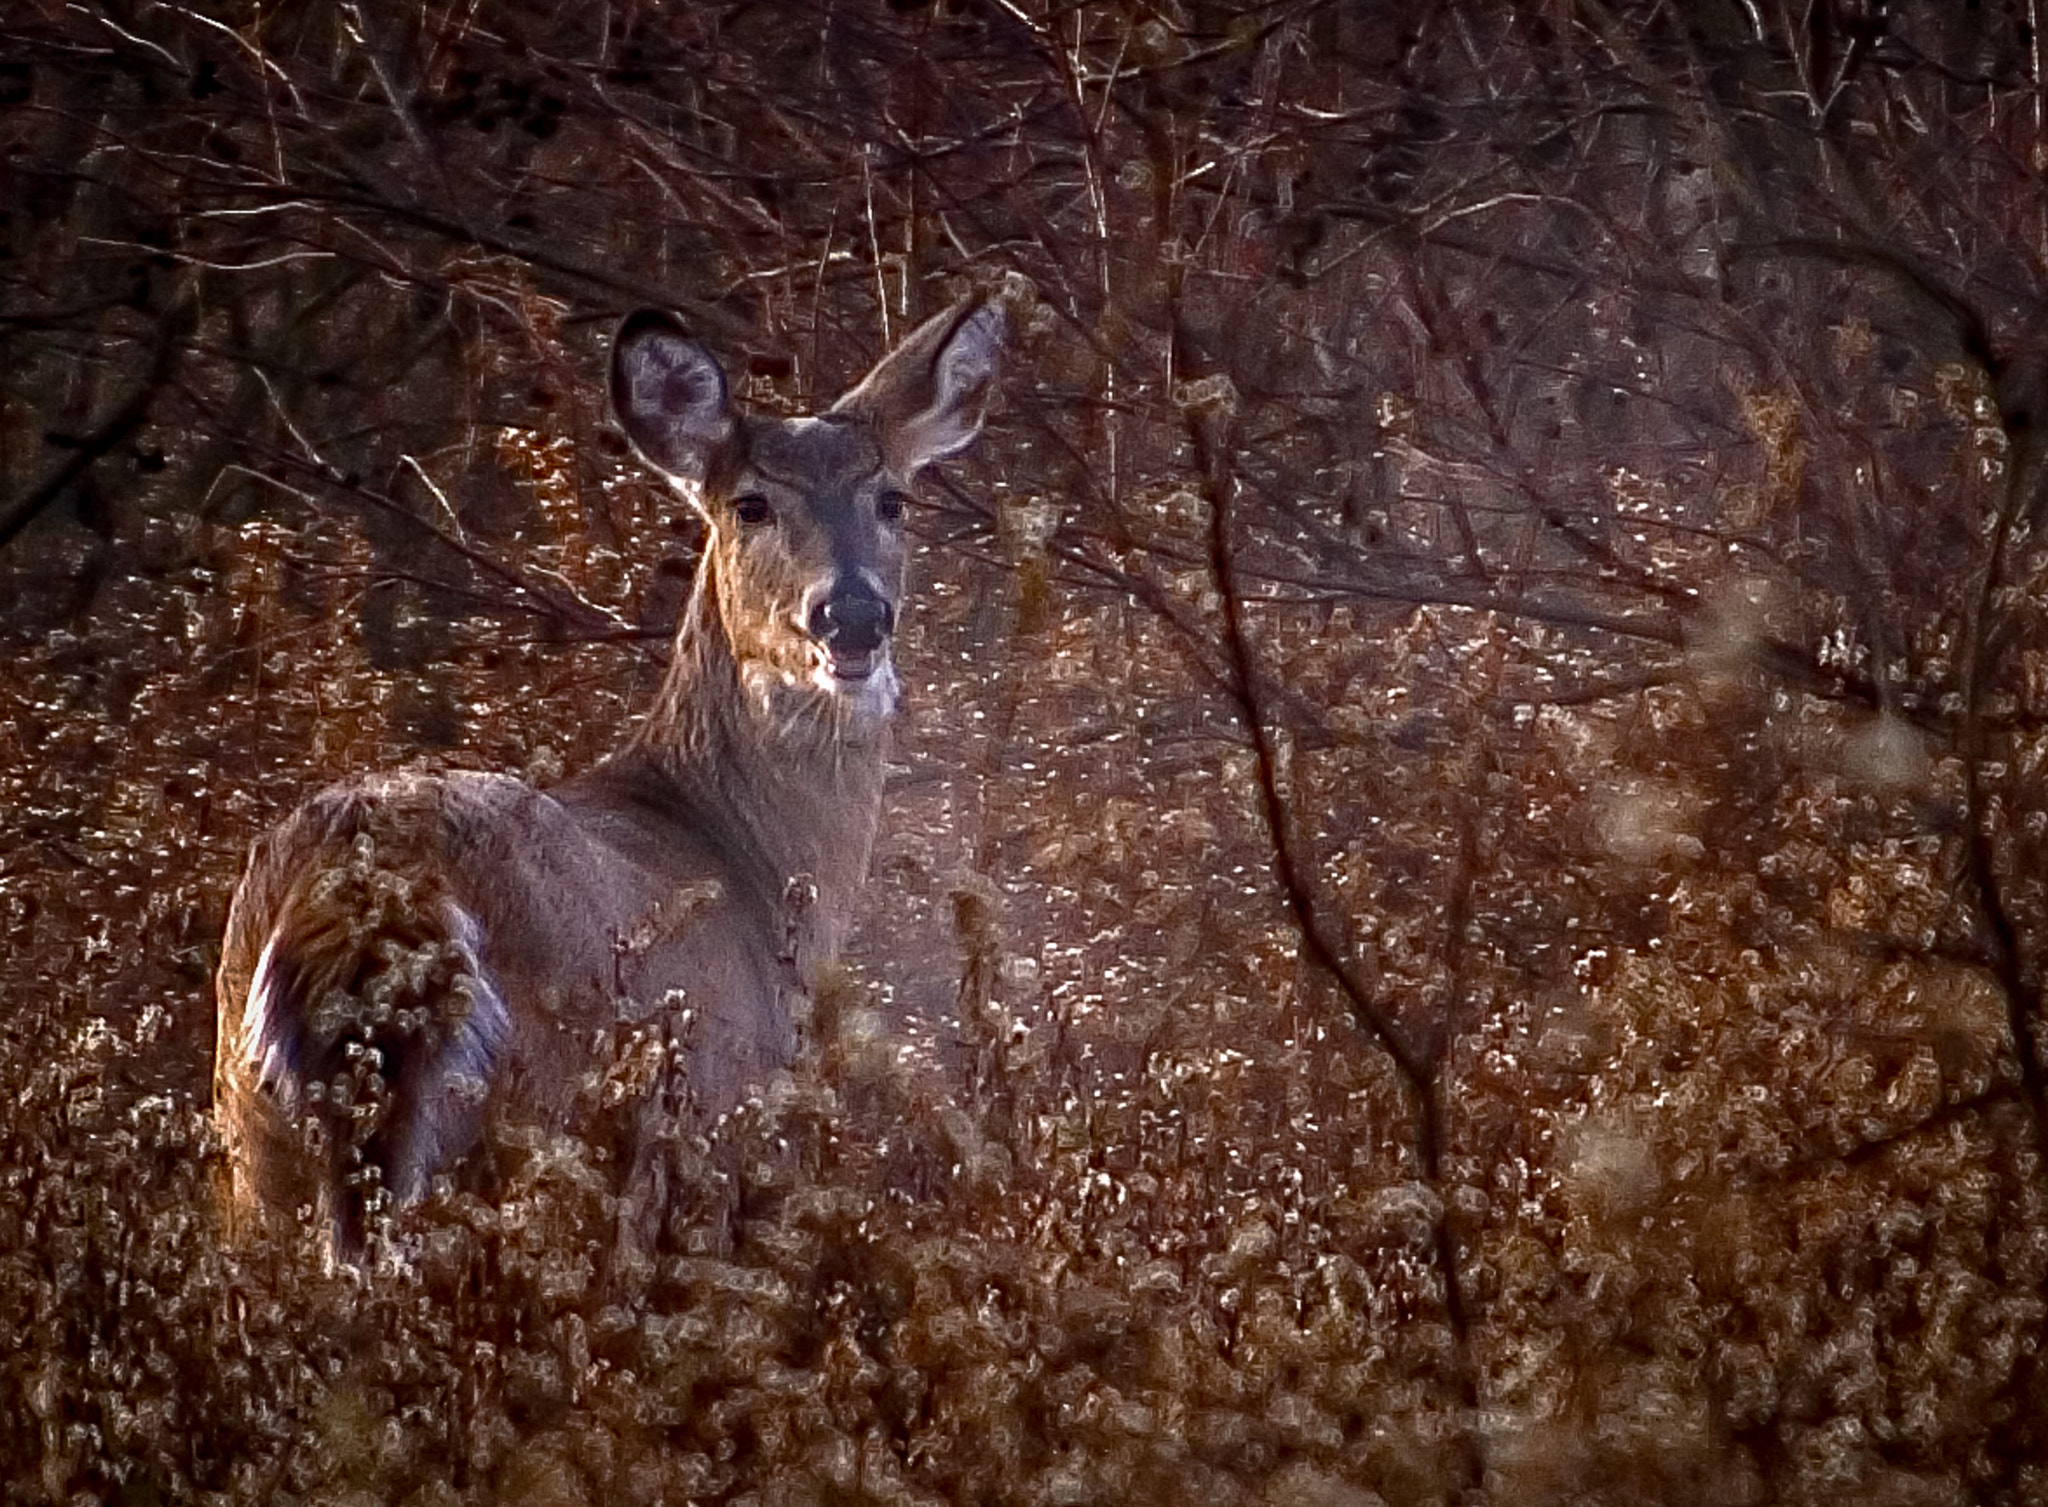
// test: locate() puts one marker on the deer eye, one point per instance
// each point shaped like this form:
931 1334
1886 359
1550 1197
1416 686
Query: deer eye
753 510
889 506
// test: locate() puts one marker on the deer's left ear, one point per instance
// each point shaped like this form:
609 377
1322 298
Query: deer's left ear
927 397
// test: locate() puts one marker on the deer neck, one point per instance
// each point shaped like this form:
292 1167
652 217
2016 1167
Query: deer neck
774 765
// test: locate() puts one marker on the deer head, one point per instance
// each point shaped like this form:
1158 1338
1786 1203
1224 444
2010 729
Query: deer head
804 567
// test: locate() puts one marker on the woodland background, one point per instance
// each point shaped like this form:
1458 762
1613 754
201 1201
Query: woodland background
1465 904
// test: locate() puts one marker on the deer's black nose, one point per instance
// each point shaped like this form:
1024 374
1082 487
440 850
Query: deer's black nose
851 620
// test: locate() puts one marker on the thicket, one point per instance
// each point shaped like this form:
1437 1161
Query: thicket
1463 903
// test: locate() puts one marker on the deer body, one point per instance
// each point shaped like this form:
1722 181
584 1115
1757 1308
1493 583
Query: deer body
409 955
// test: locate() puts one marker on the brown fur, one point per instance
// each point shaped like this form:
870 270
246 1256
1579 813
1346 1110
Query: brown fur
411 955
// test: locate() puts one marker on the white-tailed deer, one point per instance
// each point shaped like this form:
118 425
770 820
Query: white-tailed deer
409 955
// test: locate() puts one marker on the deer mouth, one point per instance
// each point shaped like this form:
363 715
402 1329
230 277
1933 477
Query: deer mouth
848 625
850 666
861 682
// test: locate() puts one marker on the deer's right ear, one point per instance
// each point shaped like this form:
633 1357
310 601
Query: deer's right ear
669 394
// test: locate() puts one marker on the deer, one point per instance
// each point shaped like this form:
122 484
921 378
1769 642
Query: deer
410 956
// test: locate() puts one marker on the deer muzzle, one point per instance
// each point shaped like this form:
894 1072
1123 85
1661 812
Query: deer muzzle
850 623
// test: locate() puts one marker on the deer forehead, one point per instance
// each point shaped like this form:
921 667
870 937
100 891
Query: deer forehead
825 458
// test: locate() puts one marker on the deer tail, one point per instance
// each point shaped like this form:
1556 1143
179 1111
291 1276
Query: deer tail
370 1035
